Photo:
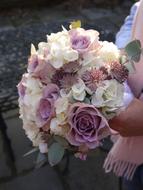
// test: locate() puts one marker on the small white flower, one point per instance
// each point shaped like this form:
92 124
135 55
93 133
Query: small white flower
43 148
55 127
78 90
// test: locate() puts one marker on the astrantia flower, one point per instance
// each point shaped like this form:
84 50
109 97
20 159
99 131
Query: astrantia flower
93 77
119 71
57 77
71 67
68 81
64 79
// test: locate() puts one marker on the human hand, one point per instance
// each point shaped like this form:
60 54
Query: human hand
129 122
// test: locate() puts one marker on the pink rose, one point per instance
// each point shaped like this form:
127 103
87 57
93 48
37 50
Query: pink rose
40 69
87 125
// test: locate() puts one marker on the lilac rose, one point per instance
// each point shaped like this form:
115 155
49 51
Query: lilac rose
87 125
22 88
84 40
45 110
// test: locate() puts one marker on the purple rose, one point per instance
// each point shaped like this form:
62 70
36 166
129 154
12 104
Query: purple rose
84 40
80 43
87 125
45 110
21 88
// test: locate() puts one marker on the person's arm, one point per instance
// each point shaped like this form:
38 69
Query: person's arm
129 122
124 34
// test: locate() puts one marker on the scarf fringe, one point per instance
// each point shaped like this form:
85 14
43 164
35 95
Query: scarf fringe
119 167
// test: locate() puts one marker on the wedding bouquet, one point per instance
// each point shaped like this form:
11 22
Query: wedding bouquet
74 84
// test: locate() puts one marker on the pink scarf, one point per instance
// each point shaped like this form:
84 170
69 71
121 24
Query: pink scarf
127 153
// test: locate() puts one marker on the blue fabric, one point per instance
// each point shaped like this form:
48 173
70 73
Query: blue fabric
137 181
124 34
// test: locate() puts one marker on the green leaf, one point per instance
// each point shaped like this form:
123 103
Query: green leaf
133 50
130 66
123 59
31 151
55 153
62 141
41 160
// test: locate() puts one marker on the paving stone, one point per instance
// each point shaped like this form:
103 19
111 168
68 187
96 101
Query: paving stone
44 178
4 167
20 144
89 174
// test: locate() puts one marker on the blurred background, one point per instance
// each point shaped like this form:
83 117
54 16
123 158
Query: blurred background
23 22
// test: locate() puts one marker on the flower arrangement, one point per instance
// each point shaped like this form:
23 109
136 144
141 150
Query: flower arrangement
74 84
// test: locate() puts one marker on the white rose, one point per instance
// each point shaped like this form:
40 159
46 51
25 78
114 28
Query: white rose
109 94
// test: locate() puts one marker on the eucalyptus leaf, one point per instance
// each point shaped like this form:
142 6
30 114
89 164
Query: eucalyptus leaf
131 67
142 51
123 59
62 141
133 50
41 160
55 153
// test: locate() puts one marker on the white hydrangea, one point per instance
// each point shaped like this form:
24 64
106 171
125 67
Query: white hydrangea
30 102
109 52
109 94
61 106
33 133
60 51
